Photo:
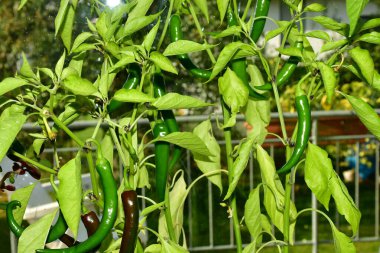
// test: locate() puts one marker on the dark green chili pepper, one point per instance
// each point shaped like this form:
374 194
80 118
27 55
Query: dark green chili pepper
55 232
286 71
131 222
175 28
162 149
132 82
109 212
303 131
262 9
239 66
168 116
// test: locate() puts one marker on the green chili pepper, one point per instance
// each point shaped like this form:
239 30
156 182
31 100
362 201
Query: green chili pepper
175 28
168 116
132 82
262 9
162 158
109 211
286 71
131 223
239 66
303 131
55 232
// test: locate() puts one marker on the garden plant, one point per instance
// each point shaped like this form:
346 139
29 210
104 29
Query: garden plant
145 39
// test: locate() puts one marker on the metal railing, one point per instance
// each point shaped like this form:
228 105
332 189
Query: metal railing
214 241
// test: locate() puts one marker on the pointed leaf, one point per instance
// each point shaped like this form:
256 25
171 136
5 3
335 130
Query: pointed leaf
184 47
363 59
79 86
22 195
135 24
151 36
11 83
176 101
26 70
202 5
252 214
59 19
329 80
59 65
222 7
132 96
319 35
315 7
162 62
80 39
372 37
354 9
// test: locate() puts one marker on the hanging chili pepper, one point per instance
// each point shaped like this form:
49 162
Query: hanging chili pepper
168 116
55 232
261 10
239 66
131 223
286 71
161 149
133 80
303 130
175 28
109 211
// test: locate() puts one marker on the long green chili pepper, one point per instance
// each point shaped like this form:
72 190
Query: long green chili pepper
132 82
162 150
239 66
55 232
175 28
286 71
303 131
262 9
168 117
109 212
131 223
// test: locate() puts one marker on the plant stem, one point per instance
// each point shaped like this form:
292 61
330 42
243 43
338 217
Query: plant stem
91 168
166 24
96 130
118 146
228 140
168 217
67 130
288 192
37 164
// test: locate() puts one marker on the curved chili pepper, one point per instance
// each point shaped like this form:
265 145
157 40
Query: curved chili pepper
131 223
239 66
161 149
303 131
109 212
175 28
261 10
168 116
286 71
55 232
132 82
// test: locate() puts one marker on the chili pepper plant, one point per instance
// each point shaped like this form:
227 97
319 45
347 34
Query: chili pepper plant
144 40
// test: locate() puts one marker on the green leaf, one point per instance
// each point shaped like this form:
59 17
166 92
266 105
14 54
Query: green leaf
370 24
132 96
80 39
177 197
240 163
314 7
59 65
330 24
34 236
151 36
176 101
188 141
344 202
125 60
252 214
37 146
329 80
363 59
222 7
22 3
372 37
234 92
84 47
342 243
291 51
79 86
48 72
331 45
136 24
59 19
251 247
209 163
11 121
108 147
366 114
318 171
202 5
354 9
22 195
67 27
283 25
102 24
153 248
26 70
162 62
140 9
274 193
11 83
232 30
319 35
226 55
70 192
151 208
184 47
